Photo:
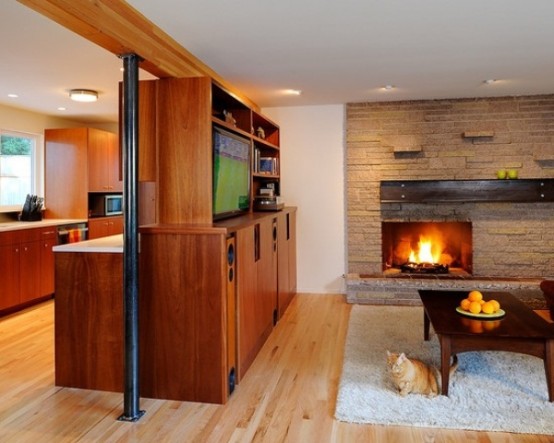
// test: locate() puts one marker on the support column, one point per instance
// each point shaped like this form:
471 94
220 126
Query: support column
129 136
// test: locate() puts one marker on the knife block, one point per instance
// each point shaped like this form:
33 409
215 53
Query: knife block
31 216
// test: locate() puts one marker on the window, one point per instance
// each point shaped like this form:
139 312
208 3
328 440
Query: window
17 169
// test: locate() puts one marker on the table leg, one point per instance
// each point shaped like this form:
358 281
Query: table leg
426 324
549 367
445 363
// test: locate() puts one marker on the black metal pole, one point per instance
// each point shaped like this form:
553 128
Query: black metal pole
129 136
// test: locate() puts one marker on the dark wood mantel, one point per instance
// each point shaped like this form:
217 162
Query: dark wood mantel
444 191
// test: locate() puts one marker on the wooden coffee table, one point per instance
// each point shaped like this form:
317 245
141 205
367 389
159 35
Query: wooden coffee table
520 330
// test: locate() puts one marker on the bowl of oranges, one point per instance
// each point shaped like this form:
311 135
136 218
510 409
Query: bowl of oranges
475 305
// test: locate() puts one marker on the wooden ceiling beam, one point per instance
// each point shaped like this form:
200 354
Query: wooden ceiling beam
119 28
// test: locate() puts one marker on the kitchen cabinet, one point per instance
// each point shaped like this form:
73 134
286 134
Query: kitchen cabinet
26 267
48 239
9 270
78 161
103 162
105 226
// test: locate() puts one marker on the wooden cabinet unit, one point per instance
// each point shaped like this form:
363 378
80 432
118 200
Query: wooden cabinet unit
286 231
183 336
26 267
103 162
206 309
89 320
105 226
256 288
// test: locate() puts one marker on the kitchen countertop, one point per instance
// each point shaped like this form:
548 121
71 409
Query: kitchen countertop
111 244
18 225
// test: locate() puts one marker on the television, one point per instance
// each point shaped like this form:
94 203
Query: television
231 174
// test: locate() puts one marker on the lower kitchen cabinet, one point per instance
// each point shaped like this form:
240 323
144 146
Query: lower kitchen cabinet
26 267
104 226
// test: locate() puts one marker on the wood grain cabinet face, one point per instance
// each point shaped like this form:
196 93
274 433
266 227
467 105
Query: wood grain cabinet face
103 162
104 226
26 266
256 289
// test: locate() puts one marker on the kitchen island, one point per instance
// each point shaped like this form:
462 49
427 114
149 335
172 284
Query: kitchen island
89 314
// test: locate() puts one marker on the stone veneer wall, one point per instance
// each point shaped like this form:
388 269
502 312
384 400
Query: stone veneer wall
424 140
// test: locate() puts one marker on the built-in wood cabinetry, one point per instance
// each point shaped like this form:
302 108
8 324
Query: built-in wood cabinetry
206 308
104 172
26 266
79 163
104 226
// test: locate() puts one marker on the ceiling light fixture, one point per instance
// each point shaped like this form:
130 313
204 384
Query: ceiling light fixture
83 95
293 91
388 87
489 81
13 95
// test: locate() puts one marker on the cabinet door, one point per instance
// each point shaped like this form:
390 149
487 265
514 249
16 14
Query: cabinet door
256 288
286 252
29 271
98 173
113 164
47 242
9 275
97 227
115 225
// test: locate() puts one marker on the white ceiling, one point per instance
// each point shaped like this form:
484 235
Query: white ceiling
335 52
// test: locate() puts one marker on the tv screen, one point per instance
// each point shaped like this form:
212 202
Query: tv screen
231 187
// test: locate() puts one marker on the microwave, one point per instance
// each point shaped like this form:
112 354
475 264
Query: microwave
113 205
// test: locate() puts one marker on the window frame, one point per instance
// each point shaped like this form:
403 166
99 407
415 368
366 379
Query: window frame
37 160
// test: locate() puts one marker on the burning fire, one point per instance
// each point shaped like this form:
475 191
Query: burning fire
425 252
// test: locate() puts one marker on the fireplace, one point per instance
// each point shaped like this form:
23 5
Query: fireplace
427 247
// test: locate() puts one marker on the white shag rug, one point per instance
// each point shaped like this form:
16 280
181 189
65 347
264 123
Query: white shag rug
490 391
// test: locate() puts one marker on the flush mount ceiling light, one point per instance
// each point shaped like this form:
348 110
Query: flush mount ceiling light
489 81
293 91
83 95
388 87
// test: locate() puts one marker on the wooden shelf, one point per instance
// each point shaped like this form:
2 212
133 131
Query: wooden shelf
444 191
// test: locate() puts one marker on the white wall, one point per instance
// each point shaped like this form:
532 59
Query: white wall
312 178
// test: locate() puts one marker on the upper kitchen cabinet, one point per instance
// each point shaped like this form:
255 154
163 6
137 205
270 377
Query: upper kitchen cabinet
103 162
71 155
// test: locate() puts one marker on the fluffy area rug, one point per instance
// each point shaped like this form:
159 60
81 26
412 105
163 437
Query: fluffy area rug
490 391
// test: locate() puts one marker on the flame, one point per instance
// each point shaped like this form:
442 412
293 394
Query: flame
425 252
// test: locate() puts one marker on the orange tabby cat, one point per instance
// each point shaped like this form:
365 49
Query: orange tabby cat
414 376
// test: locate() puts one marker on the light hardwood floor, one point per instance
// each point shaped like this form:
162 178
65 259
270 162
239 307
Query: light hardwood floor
288 395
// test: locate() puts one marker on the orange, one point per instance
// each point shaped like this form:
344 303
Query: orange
475 296
475 307
464 304
487 308
495 304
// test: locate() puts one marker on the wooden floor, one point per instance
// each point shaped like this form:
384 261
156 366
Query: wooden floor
288 395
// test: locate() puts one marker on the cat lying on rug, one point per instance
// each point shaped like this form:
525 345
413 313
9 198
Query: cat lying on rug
413 376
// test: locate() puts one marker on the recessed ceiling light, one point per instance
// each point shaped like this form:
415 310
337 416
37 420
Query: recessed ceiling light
61 108
13 95
293 91
489 81
388 87
83 95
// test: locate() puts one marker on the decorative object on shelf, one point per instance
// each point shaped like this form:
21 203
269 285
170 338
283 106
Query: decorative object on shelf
229 118
512 174
260 132
501 174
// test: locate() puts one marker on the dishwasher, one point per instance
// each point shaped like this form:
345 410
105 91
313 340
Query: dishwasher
72 233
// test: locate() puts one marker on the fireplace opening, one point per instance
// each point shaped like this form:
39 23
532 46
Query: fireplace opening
427 247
